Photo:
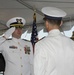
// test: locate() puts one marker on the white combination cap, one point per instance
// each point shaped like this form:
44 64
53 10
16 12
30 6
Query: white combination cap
53 13
16 21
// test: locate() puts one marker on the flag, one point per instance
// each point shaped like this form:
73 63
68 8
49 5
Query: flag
34 35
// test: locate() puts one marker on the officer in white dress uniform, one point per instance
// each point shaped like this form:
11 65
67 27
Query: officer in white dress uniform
54 55
17 53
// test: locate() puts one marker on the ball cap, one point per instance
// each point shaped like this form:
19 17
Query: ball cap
16 21
53 13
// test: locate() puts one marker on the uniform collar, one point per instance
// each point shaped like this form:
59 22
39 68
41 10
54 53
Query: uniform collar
54 32
15 39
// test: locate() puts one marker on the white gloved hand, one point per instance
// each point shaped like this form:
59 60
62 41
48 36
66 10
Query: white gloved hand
2 40
9 32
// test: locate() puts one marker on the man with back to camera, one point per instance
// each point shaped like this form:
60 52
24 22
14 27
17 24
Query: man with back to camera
54 55
17 53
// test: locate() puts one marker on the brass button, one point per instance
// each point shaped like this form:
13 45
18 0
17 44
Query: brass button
21 65
20 57
21 73
20 50
13 51
18 43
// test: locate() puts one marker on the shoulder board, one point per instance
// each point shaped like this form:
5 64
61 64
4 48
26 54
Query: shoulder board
26 40
42 38
9 39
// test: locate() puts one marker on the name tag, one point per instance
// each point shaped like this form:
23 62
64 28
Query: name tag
13 47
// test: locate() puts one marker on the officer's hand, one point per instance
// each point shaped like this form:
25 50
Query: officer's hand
9 32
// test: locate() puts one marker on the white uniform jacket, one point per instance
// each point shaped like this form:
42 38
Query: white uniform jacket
18 56
54 55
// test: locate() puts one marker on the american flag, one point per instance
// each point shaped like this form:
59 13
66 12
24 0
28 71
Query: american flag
34 35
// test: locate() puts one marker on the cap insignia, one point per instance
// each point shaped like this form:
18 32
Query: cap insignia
19 21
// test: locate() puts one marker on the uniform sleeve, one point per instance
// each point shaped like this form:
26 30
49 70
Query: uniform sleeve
2 40
31 60
39 60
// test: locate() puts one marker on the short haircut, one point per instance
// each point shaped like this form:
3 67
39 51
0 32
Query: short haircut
57 22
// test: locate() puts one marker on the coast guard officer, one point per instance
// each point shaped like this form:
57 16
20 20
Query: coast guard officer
17 53
54 55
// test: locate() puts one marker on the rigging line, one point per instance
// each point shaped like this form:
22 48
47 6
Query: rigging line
51 1
30 7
